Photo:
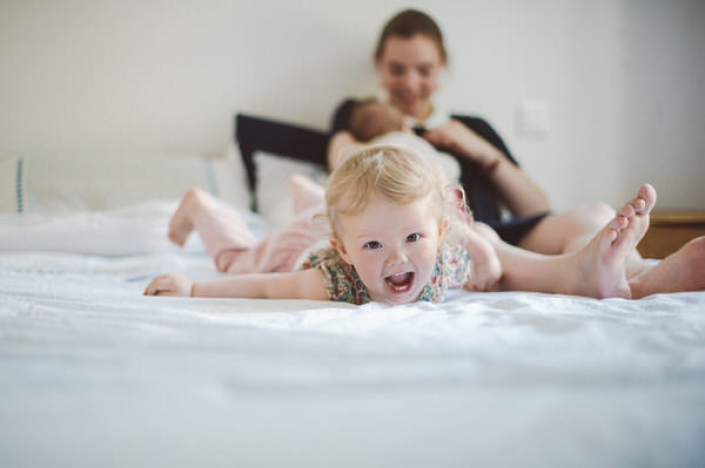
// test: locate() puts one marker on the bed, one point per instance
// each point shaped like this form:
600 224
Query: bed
92 373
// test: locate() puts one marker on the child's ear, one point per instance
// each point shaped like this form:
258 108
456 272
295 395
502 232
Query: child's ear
338 245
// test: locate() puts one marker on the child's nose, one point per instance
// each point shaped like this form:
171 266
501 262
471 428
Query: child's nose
397 256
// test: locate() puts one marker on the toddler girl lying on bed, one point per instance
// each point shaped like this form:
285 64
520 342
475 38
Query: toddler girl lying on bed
396 236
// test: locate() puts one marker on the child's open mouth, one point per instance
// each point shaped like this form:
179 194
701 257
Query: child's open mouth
401 282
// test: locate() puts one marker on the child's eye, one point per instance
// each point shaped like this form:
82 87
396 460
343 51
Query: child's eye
373 245
413 237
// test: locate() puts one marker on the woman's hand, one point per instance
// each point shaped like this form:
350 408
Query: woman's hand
520 194
456 138
170 284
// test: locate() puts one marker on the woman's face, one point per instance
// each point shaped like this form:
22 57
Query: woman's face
409 70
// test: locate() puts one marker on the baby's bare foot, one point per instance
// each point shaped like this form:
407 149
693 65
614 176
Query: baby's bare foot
638 211
181 224
603 262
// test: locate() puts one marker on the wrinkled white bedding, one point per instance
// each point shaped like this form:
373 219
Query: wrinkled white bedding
94 374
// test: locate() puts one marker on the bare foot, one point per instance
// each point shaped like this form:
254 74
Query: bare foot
603 261
306 192
681 271
181 224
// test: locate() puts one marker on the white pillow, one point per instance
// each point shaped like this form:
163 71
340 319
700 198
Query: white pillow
274 201
132 230
50 184
230 178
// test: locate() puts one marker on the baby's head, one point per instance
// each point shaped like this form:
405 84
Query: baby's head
388 208
371 118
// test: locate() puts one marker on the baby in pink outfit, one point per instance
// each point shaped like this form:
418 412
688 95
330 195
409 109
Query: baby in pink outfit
234 248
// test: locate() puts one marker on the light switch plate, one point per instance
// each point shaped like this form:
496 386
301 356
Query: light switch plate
534 118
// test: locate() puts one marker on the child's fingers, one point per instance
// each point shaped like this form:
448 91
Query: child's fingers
151 289
161 285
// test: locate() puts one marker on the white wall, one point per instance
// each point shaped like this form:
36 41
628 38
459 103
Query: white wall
622 79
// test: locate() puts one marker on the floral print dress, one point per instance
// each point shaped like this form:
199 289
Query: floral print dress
344 284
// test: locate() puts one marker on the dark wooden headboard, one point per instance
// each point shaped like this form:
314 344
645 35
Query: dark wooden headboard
294 141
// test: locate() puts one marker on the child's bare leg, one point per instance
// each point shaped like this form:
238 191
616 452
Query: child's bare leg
596 270
181 224
683 270
306 192
572 230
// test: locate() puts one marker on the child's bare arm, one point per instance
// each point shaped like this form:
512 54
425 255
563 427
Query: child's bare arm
304 284
486 268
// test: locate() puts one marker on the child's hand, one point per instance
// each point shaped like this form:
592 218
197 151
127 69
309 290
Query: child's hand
171 284
485 276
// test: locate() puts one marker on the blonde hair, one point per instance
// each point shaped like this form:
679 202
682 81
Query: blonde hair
395 173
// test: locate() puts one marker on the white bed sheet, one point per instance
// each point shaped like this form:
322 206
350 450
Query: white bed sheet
94 374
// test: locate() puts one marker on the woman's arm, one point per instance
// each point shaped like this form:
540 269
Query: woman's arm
304 284
522 196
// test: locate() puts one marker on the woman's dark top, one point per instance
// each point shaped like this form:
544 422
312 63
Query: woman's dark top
479 189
